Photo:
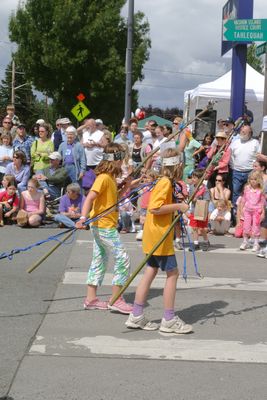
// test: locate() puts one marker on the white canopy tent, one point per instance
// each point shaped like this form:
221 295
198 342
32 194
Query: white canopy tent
220 91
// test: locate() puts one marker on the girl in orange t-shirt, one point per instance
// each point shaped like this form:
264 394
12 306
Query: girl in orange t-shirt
102 196
159 217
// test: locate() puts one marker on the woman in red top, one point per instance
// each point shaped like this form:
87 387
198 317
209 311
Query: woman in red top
223 164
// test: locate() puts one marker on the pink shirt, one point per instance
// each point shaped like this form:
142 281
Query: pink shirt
253 199
224 161
145 198
31 205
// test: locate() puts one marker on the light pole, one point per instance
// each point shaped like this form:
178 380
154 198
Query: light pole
129 62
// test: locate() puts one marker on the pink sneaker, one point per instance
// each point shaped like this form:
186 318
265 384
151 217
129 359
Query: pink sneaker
121 306
95 304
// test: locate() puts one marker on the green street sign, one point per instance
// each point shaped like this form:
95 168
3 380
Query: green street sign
245 30
80 111
261 49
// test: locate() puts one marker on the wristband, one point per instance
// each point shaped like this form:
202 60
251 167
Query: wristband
82 217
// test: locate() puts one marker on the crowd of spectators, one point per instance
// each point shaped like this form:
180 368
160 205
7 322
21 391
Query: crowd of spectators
58 165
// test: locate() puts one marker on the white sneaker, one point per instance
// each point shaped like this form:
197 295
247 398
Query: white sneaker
256 247
262 253
139 235
175 325
178 245
141 322
244 246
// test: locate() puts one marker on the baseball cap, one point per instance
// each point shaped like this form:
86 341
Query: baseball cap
98 121
21 125
229 120
55 156
40 121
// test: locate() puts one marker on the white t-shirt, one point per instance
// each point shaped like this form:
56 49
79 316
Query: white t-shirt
147 137
216 213
94 154
243 154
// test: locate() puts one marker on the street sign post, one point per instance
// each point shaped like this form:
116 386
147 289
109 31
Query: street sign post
261 49
80 111
245 30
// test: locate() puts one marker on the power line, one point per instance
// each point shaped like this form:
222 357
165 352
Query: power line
161 86
180 72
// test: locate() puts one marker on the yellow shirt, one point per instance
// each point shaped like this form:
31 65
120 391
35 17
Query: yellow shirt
106 187
156 225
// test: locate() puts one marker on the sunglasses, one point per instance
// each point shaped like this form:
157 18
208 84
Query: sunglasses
175 123
7 122
15 157
218 180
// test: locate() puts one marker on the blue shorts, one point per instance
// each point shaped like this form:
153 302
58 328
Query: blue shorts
165 263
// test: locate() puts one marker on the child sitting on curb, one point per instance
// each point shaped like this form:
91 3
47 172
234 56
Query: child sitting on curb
220 218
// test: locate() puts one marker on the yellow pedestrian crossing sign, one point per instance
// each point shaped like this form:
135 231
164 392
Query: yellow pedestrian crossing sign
80 111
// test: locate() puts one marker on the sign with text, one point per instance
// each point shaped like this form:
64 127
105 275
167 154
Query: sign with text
261 49
245 30
80 111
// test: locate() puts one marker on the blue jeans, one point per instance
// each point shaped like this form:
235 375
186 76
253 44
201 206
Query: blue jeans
63 219
71 171
239 179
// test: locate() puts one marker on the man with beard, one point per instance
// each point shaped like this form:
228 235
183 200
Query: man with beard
244 153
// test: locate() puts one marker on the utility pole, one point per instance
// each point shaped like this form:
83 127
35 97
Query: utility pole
129 62
13 83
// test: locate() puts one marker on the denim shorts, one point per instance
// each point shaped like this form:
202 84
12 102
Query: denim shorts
165 263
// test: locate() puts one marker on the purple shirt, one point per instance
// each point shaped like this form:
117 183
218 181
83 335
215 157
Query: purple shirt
68 156
66 204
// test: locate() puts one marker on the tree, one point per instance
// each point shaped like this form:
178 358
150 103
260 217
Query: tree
253 60
72 46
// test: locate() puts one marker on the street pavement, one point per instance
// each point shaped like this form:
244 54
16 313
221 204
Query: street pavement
53 349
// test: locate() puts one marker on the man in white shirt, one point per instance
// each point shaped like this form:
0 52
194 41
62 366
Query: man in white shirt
149 133
93 143
243 154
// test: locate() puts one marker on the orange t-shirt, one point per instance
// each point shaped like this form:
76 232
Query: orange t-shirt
106 187
156 225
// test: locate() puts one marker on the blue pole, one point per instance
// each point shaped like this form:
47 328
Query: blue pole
239 59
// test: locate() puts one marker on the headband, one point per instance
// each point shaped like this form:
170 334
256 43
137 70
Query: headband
170 161
119 155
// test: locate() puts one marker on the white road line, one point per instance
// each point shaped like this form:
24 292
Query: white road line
158 349
79 278
223 250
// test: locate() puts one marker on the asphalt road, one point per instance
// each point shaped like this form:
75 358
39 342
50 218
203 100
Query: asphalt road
50 348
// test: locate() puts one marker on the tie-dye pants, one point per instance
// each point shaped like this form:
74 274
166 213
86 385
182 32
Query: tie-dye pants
107 241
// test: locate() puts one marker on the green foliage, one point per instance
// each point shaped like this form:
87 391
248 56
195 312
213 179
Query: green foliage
253 60
72 46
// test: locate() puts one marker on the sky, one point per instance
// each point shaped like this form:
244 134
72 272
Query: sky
186 46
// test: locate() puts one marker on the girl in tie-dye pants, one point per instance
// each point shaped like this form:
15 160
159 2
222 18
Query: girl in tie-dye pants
102 196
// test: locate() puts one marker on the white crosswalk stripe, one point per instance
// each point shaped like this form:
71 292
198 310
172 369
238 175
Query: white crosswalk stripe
174 348
79 278
212 250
